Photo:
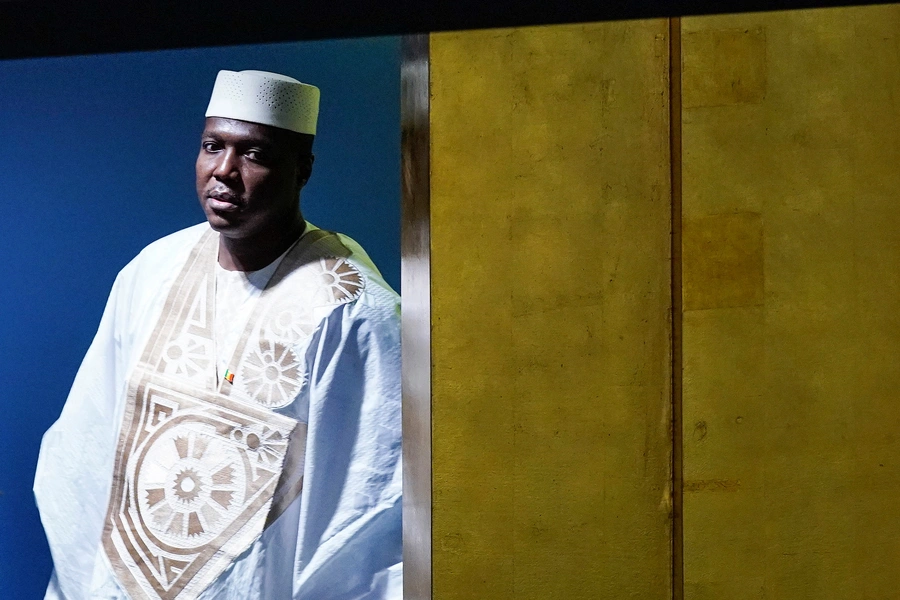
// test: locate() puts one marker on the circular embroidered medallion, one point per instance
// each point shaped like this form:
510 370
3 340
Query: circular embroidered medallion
187 356
190 485
271 374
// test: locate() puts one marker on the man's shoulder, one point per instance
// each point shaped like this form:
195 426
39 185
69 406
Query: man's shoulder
355 277
166 251
344 247
180 241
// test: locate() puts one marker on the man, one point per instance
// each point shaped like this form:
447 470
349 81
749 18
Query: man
234 429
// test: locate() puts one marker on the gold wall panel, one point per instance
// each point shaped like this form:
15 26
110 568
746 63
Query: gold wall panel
792 305
726 66
723 261
550 217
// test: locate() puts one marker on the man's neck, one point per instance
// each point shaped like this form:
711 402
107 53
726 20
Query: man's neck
253 254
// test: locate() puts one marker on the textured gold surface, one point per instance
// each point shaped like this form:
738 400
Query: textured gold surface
550 292
723 261
723 66
792 403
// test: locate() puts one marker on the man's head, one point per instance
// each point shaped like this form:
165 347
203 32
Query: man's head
256 153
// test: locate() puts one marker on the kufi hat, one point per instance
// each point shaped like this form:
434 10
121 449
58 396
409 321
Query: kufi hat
265 98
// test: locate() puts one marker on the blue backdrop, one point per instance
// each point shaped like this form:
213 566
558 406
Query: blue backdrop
97 161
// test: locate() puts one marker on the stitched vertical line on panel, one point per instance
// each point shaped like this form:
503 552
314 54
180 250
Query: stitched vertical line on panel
416 317
677 313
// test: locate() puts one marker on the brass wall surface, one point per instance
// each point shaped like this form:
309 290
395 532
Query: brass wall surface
550 217
791 246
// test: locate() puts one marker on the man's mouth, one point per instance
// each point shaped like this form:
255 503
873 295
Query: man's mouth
222 201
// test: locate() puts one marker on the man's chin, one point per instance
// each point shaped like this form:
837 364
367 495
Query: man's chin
229 229
222 222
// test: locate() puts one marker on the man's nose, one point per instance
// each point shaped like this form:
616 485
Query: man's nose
226 166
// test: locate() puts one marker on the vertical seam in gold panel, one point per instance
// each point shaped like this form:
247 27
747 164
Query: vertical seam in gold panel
415 251
677 382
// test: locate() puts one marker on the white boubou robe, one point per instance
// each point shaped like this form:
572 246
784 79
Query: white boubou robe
232 436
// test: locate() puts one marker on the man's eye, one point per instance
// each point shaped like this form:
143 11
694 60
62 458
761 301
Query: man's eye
256 155
210 146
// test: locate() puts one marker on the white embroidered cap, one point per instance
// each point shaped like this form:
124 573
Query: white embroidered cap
265 98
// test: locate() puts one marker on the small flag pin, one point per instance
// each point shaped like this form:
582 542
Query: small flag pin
229 376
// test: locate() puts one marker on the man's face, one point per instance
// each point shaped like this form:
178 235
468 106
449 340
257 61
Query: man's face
248 178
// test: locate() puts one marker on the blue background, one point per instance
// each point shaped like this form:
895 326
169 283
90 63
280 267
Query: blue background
97 160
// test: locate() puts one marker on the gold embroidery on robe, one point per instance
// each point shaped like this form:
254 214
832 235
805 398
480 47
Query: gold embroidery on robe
203 466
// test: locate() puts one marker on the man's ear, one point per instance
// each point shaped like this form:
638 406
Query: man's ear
304 170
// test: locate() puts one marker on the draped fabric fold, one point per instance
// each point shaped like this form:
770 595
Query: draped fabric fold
167 478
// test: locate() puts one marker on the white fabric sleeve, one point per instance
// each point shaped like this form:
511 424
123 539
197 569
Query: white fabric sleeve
349 541
53 592
74 466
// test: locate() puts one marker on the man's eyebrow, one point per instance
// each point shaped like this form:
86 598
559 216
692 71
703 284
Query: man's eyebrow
244 142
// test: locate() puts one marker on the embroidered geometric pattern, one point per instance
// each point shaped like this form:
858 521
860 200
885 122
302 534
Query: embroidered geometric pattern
340 280
288 313
187 357
272 374
203 466
197 481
